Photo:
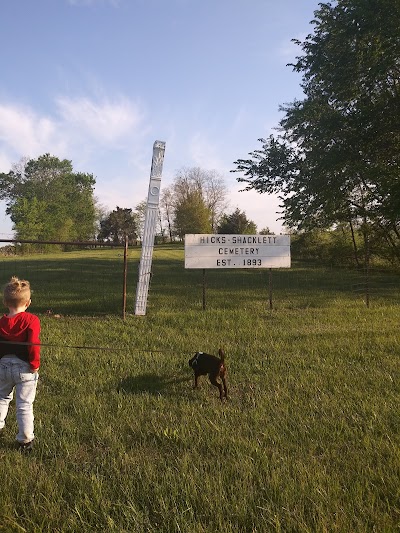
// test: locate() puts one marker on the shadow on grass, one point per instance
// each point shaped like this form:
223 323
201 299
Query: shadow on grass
10 445
149 383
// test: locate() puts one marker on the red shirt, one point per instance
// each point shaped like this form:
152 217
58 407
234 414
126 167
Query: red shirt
22 327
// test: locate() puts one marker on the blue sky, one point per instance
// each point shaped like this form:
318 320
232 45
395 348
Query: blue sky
98 81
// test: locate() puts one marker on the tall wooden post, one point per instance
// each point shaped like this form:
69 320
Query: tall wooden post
204 289
149 231
125 275
270 288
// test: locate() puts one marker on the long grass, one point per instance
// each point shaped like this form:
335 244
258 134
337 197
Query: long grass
309 440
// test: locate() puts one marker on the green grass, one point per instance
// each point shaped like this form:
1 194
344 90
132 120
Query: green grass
309 440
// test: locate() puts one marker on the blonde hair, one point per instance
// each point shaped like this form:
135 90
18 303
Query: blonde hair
17 292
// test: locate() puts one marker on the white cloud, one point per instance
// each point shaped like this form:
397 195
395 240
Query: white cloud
105 122
5 162
82 130
24 132
77 130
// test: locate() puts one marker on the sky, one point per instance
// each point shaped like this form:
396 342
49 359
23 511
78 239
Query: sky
98 81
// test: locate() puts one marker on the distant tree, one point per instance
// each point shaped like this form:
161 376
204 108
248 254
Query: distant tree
332 246
206 183
237 223
117 225
167 209
265 231
102 212
29 217
29 222
140 214
47 200
192 215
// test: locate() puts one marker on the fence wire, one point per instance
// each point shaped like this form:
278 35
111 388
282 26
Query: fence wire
90 283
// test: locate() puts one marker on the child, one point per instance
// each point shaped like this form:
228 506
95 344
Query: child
19 363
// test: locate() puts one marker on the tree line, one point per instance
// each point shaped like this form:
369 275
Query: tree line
48 201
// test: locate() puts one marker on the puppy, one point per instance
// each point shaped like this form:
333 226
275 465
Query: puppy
204 363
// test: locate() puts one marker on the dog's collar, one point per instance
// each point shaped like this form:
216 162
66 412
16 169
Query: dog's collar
196 357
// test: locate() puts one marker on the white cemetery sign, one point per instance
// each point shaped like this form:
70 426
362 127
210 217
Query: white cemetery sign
149 230
237 251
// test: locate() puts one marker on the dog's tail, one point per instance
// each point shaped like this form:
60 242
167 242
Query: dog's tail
221 354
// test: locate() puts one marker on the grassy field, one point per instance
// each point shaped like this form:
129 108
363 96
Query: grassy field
309 440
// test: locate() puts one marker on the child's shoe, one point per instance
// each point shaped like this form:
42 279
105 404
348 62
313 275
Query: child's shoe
25 447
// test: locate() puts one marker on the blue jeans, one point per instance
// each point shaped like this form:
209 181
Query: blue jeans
16 374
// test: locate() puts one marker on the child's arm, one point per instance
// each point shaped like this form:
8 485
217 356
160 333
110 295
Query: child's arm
34 338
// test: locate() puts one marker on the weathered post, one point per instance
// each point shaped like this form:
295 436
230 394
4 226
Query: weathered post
204 289
149 228
270 288
125 276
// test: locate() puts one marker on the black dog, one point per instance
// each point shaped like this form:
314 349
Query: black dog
204 363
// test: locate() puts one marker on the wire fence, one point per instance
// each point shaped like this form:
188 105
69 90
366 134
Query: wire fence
102 281
311 285
71 282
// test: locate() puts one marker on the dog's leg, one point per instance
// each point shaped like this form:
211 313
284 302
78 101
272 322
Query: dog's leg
225 387
214 382
196 381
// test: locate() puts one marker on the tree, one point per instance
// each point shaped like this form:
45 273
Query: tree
237 223
29 222
208 184
117 225
337 158
140 211
192 215
265 231
47 200
167 209
140 216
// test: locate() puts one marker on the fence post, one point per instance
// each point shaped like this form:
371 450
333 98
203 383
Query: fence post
204 289
270 288
125 275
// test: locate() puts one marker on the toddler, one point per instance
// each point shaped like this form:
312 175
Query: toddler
19 362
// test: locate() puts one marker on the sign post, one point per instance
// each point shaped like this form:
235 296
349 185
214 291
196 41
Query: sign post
149 231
